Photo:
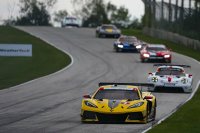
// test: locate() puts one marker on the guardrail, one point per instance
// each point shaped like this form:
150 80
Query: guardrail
174 37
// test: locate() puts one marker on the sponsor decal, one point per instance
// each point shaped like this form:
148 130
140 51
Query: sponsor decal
16 50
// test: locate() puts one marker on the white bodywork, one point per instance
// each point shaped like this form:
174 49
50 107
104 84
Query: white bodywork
166 78
70 22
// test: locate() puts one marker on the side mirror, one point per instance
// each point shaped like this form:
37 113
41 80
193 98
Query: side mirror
148 97
87 96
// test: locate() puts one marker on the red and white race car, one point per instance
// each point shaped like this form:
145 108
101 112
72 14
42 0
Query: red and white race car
170 77
155 52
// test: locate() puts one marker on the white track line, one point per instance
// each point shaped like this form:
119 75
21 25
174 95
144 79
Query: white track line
191 96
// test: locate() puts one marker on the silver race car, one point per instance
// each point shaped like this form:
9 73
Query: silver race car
169 76
70 22
108 30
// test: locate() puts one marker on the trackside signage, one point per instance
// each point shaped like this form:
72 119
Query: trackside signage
16 50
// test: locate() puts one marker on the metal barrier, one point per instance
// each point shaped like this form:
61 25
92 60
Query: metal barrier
177 16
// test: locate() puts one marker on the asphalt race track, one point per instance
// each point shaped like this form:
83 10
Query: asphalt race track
52 104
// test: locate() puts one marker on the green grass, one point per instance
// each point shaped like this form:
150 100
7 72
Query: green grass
187 118
45 60
175 47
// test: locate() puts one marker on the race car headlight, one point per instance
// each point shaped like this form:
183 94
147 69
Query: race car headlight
146 55
138 46
136 105
90 104
184 80
166 56
120 46
154 79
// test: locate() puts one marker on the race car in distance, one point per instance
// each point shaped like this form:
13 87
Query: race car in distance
170 77
119 102
155 52
108 30
127 43
70 22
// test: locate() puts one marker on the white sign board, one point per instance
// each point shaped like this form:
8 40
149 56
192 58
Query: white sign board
15 50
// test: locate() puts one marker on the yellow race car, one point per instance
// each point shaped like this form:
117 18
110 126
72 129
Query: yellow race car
119 102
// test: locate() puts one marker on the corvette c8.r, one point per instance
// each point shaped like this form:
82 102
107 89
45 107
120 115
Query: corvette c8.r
119 102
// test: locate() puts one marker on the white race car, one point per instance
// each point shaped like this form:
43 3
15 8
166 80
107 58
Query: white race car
169 76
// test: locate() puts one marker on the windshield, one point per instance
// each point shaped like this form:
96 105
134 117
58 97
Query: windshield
170 71
113 94
156 49
71 20
128 39
109 27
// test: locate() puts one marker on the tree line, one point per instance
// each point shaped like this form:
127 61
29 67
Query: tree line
92 13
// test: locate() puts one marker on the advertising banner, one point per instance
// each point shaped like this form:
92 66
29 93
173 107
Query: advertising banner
16 50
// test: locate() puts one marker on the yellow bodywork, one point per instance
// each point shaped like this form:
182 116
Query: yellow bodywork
122 107
109 30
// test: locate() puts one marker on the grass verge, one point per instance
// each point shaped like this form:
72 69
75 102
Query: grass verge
174 46
45 60
186 119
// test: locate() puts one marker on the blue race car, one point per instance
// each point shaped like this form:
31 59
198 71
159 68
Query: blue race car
127 43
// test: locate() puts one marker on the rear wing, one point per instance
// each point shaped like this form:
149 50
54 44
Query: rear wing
133 84
185 66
